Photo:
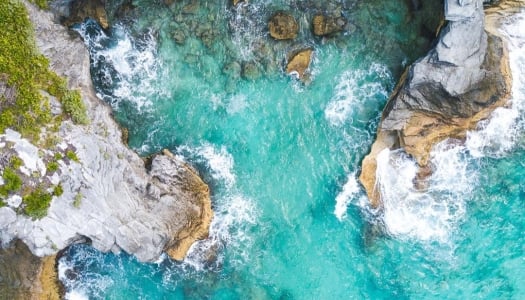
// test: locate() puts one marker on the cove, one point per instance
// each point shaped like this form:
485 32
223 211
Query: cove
281 159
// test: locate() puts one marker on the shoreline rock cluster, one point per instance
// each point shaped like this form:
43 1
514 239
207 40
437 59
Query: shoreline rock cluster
109 198
444 94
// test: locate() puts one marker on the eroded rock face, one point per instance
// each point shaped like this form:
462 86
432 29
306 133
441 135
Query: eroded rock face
283 26
444 94
299 62
18 270
79 10
119 204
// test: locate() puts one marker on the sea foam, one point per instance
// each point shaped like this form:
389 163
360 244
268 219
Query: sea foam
234 214
128 67
354 92
434 213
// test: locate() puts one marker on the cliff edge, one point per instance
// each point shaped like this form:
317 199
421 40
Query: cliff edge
109 198
444 94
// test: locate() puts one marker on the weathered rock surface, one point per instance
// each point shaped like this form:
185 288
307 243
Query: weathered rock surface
79 10
327 25
18 270
444 94
283 26
120 205
299 62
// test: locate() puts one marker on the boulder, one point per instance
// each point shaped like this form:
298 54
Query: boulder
298 62
283 26
327 25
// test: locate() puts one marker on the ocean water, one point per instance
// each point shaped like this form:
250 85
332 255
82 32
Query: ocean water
282 158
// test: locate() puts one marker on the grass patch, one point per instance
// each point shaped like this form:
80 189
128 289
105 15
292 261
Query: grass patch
72 156
36 203
52 166
77 200
16 162
58 190
42 4
12 182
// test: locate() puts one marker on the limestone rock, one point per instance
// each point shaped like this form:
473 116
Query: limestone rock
283 26
444 94
327 25
299 62
123 206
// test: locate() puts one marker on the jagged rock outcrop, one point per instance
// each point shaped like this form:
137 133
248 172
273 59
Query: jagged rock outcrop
444 94
298 62
78 10
109 198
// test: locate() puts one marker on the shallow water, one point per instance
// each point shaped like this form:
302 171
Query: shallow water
281 158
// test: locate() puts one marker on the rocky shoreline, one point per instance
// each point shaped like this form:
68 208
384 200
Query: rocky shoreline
110 199
447 92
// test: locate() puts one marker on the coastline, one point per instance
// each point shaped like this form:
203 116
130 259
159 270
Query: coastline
422 129
110 198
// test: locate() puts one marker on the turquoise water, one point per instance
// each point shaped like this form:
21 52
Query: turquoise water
281 158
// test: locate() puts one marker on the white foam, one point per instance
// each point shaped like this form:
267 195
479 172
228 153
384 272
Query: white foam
354 90
498 135
237 104
234 214
228 229
350 191
131 69
76 295
430 215
433 214
220 163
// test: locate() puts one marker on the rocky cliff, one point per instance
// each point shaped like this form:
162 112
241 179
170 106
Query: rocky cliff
444 94
109 198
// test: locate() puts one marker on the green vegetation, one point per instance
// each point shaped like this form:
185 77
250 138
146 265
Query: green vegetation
58 190
42 4
78 200
16 162
52 166
74 107
36 203
12 182
23 68
72 155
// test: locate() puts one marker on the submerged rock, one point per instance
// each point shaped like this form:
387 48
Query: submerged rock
299 62
250 71
327 25
444 94
283 26
109 198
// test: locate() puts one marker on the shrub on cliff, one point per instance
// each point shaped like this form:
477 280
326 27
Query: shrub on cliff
37 203
25 71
